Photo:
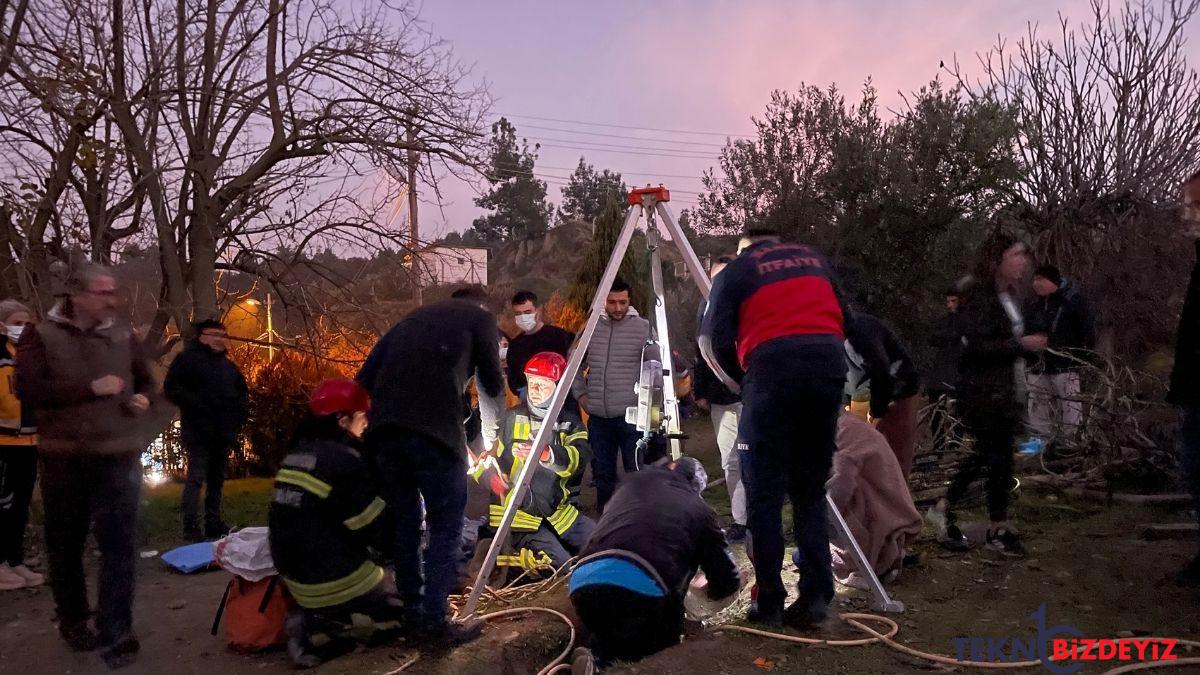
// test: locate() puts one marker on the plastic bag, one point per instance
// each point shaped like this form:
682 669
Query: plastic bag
246 553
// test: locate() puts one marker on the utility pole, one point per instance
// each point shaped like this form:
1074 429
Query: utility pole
413 232
270 332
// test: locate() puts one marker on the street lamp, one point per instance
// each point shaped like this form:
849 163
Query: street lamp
269 336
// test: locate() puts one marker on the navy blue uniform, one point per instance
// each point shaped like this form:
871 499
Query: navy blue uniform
775 324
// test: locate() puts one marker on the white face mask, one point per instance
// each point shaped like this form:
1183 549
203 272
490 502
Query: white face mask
526 322
14 332
503 353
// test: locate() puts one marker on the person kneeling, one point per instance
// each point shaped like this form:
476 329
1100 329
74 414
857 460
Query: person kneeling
324 518
629 586
548 528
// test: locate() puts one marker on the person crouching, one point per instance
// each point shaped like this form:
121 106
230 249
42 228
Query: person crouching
548 528
324 519
629 585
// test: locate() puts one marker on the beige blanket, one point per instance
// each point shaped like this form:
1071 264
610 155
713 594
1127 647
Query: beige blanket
870 490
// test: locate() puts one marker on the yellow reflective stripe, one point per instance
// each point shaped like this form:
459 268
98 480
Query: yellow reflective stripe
564 518
304 481
478 471
527 559
577 436
367 516
521 521
357 583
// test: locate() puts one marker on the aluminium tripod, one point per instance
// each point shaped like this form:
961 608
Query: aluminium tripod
652 201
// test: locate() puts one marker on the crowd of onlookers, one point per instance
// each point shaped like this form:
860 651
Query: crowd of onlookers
367 517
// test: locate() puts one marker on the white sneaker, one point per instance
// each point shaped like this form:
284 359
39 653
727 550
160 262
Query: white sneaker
10 580
31 578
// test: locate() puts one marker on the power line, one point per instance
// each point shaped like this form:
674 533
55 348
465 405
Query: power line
622 172
597 144
519 172
624 136
628 152
623 126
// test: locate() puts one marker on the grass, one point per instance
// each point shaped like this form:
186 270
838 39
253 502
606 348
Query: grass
160 523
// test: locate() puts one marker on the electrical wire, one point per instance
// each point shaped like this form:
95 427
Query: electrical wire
623 136
624 126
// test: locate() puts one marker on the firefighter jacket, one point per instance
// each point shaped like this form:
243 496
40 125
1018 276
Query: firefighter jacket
549 498
16 421
323 517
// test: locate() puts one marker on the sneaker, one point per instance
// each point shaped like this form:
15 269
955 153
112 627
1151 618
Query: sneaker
735 533
9 579
770 616
936 517
582 662
121 654
79 637
450 633
803 614
31 578
1006 540
1190 575
952 539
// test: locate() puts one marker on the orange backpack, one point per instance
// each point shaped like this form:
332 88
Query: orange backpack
255 613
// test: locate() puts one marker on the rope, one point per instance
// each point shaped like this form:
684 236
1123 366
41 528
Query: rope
893 629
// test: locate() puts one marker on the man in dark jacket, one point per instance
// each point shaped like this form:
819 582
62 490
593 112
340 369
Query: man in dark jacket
1060 313
536 336
1185 378
946 339
879 360
776 324
88 377
634 572
416 375
725 408
211 394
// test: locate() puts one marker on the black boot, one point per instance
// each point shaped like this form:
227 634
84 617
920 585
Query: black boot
121 653
215 528
79 636
191 530
804 614
766 614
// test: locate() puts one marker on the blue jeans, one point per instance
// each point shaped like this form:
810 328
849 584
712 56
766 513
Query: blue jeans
412 467
788 433
1189 451
608 436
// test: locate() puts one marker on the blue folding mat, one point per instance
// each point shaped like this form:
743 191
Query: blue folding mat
190 558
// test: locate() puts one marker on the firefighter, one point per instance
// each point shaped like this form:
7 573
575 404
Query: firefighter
324 519
775 324
548 528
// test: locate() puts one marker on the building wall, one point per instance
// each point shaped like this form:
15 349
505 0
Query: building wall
454 265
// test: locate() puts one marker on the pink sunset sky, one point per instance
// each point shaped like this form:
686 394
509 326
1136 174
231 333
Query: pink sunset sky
699 66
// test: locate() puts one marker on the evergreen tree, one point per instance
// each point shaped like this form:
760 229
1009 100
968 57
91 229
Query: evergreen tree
517 199
587 192
604 239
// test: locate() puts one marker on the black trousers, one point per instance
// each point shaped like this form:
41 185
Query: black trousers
327 633
207 459
18 473
787 434
625 626
101 492
991 420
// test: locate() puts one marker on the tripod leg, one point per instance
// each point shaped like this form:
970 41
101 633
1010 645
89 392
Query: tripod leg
578 350
883 602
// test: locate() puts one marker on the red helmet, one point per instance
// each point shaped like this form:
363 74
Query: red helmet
546 364
339 395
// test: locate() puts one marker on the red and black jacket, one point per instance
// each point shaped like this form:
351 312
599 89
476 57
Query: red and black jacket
770 291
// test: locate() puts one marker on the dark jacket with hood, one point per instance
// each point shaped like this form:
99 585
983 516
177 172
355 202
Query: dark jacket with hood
1185 377
56 364
658 515
990 353
210 392
883 360
1067 321
417 372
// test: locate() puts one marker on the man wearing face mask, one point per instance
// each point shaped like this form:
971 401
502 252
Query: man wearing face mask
18 457
211 394
536 336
